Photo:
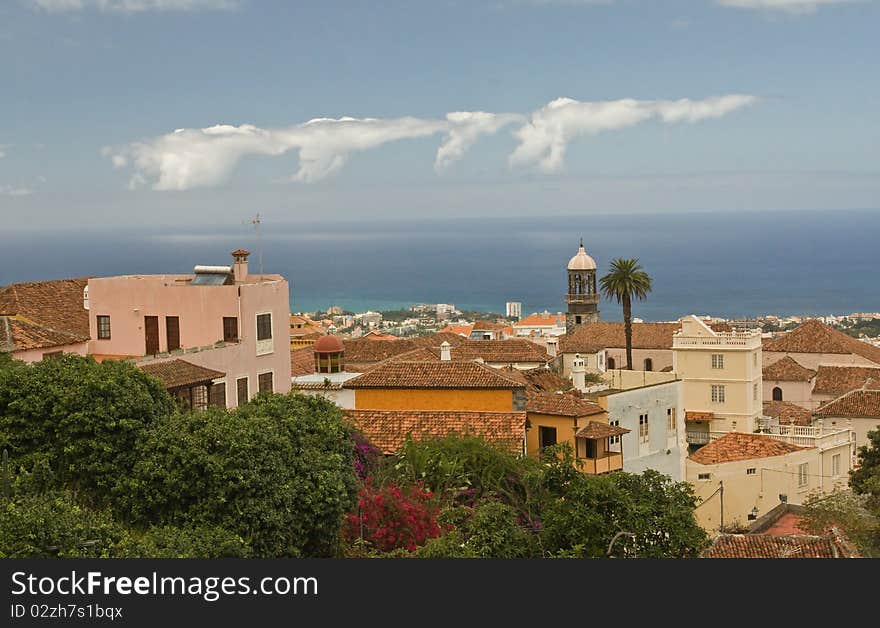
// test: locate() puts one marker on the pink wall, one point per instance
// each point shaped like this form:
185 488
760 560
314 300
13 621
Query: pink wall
35 355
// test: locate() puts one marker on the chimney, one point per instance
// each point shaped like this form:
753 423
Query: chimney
445 353
579 373
240 265
552 346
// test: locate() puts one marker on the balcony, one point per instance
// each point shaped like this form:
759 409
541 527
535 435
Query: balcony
609 462
702 437
810 436
734 339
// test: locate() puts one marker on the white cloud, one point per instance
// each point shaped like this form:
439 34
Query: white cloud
189 158
544 139
134 6
15 190
792 6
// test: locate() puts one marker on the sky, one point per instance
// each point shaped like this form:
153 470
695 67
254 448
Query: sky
187 112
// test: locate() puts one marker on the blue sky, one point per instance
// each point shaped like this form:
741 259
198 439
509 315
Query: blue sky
679 105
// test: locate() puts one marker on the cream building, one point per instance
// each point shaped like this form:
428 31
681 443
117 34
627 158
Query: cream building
740 477
721 372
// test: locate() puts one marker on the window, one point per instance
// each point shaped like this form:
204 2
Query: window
755 392
546 436
230 329
591 449
614 439
835 465
172 332
751 471
803 471
671 425
610 364
200 397
717 360
241 385
649 364
103 327
777 393
754 359
264 382
53 355
703 476
643 428
264 326
717 393
217 395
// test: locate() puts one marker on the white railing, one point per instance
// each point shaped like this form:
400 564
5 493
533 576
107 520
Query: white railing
722 340
700 437
810 436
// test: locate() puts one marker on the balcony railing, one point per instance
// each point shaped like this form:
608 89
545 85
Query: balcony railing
609 462
745 340
810 436
701 437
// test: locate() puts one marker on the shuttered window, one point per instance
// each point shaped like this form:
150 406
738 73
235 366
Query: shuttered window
172 332
217 395
264 326
242 390
265 382
230 329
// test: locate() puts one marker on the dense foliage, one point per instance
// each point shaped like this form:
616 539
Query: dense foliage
390 517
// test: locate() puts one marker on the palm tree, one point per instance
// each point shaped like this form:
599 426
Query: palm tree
626 279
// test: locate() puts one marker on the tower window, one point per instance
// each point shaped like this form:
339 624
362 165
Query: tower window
777 393
577 320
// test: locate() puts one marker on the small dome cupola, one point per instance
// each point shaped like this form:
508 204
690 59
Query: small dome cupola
582 261
329 354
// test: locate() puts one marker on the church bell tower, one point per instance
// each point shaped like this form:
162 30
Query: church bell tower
582 298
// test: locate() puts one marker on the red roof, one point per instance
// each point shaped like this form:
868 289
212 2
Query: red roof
178 373
831 545
836 380
399 374
388 429
735 446
328 344
816 337
854 404
55 305
542 320
787 370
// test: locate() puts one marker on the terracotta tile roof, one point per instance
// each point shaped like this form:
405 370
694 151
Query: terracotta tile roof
788 413
545 320
815 337
488 326
458 330
560 404
55 305
378 335
505 351
21 335
399 374
302 361
176 373
787 370
830 545
388 429
836 380
544 379
593 337
854 404
699 416
595 430
419 354
361 354
735 446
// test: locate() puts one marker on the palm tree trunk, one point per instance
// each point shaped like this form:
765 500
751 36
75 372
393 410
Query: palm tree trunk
628 330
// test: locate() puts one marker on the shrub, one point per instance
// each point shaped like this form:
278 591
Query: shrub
393 517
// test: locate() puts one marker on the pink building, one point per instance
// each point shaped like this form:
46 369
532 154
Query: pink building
220 320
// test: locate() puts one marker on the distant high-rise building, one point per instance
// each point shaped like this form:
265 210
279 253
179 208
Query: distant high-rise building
514 309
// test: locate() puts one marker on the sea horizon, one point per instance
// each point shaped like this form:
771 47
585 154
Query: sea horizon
728 265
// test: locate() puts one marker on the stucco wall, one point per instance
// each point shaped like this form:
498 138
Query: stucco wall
433 399
799 393
35 355
564 426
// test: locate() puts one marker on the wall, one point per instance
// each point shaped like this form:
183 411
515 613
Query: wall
662 358
665 450
813 360
799 393
344 397
565 430
859 426
624 380
433 399
35 355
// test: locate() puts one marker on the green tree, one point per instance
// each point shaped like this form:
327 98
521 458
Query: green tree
626 280
80 417
188 542
866 478
848 511
490 530
277 471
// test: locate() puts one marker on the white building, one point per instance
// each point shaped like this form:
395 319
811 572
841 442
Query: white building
514 309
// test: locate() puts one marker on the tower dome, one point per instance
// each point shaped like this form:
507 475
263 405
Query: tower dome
329 355
582 261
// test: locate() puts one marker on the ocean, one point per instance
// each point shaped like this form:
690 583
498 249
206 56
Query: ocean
726 265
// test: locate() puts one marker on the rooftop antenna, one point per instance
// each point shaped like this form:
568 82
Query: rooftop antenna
256 221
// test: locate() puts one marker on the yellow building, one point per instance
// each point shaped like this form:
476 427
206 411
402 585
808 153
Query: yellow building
721 375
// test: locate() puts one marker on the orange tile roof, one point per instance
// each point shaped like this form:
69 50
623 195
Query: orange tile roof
831 545
388 429
363 353
488 325
560 404
302 361
542 320
459 330
788 413
400 374
787 370
593 337
813 336
836 380
595 430
544 379
55 305
509 351
21 335
854 404
177 373
735 446
378 335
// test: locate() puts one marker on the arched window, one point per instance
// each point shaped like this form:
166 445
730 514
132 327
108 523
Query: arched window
649 364
777 394
611 363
